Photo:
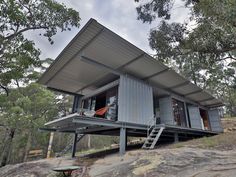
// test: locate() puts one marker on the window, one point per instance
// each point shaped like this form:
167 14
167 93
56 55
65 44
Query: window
179 113
106 101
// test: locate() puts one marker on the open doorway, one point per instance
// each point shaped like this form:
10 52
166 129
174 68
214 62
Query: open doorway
205 120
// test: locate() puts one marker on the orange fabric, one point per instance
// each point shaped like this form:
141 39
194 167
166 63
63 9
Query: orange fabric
102 111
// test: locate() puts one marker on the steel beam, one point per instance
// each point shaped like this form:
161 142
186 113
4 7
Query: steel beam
94 121
192 93
216 105
123 141
207 99
93 62
101 89
62 91
176 137
180 85
74 145
155 74
85 46
131 61
76 103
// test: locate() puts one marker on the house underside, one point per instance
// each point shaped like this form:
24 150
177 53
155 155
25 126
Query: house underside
120 90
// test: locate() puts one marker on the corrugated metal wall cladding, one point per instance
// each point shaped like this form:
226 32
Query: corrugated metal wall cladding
214 119
194 115
135 101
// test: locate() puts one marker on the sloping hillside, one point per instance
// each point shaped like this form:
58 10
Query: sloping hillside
205 157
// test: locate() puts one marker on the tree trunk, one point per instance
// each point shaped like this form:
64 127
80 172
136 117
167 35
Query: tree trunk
89 142
50 145
7 147
28 146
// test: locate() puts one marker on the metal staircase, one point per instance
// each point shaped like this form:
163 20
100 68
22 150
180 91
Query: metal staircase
153 137
69 145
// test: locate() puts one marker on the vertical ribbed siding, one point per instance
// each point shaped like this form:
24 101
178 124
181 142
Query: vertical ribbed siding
166 111
195 118
135 101
214 119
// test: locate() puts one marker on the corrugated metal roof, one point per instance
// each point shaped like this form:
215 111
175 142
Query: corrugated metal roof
69 73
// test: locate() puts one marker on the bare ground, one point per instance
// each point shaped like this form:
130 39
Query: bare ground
205 157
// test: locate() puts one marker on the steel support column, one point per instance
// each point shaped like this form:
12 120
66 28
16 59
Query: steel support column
76 103
74 145
176 137
123 141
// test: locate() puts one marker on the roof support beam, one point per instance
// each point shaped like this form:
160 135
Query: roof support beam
216 105
207 99
180 85
102 89
192 93
93 62
131 61
158 73
62 91
85 46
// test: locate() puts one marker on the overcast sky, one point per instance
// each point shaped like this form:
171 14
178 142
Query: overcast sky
118 15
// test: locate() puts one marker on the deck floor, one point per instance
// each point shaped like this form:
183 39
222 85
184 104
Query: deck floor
76 123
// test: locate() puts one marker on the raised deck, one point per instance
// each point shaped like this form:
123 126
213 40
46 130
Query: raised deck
75 123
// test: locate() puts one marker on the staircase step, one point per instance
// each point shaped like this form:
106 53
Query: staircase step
150 139
153 137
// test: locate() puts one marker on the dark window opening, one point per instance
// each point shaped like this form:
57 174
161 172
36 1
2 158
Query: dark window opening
188 116
100 103
205 120
104 104
179 113
157 110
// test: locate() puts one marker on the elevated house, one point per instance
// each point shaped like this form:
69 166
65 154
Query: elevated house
121 90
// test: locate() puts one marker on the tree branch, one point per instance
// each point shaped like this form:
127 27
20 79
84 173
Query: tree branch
5 89
25 29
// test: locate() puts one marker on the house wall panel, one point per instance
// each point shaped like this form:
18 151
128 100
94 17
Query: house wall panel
214 119
135 101
195 118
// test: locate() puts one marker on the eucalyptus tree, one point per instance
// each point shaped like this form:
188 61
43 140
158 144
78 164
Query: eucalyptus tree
202 47
18 54
19 57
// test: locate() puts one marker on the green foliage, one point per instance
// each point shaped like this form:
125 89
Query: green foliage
27 108
202 48
18 55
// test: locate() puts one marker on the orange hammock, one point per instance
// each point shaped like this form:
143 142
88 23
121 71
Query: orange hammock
102 111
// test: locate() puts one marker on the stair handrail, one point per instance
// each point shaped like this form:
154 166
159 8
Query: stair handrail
151 123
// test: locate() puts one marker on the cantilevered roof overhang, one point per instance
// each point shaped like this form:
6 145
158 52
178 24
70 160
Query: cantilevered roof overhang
97 56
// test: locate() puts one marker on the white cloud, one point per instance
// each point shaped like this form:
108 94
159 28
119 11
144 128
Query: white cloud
118 15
